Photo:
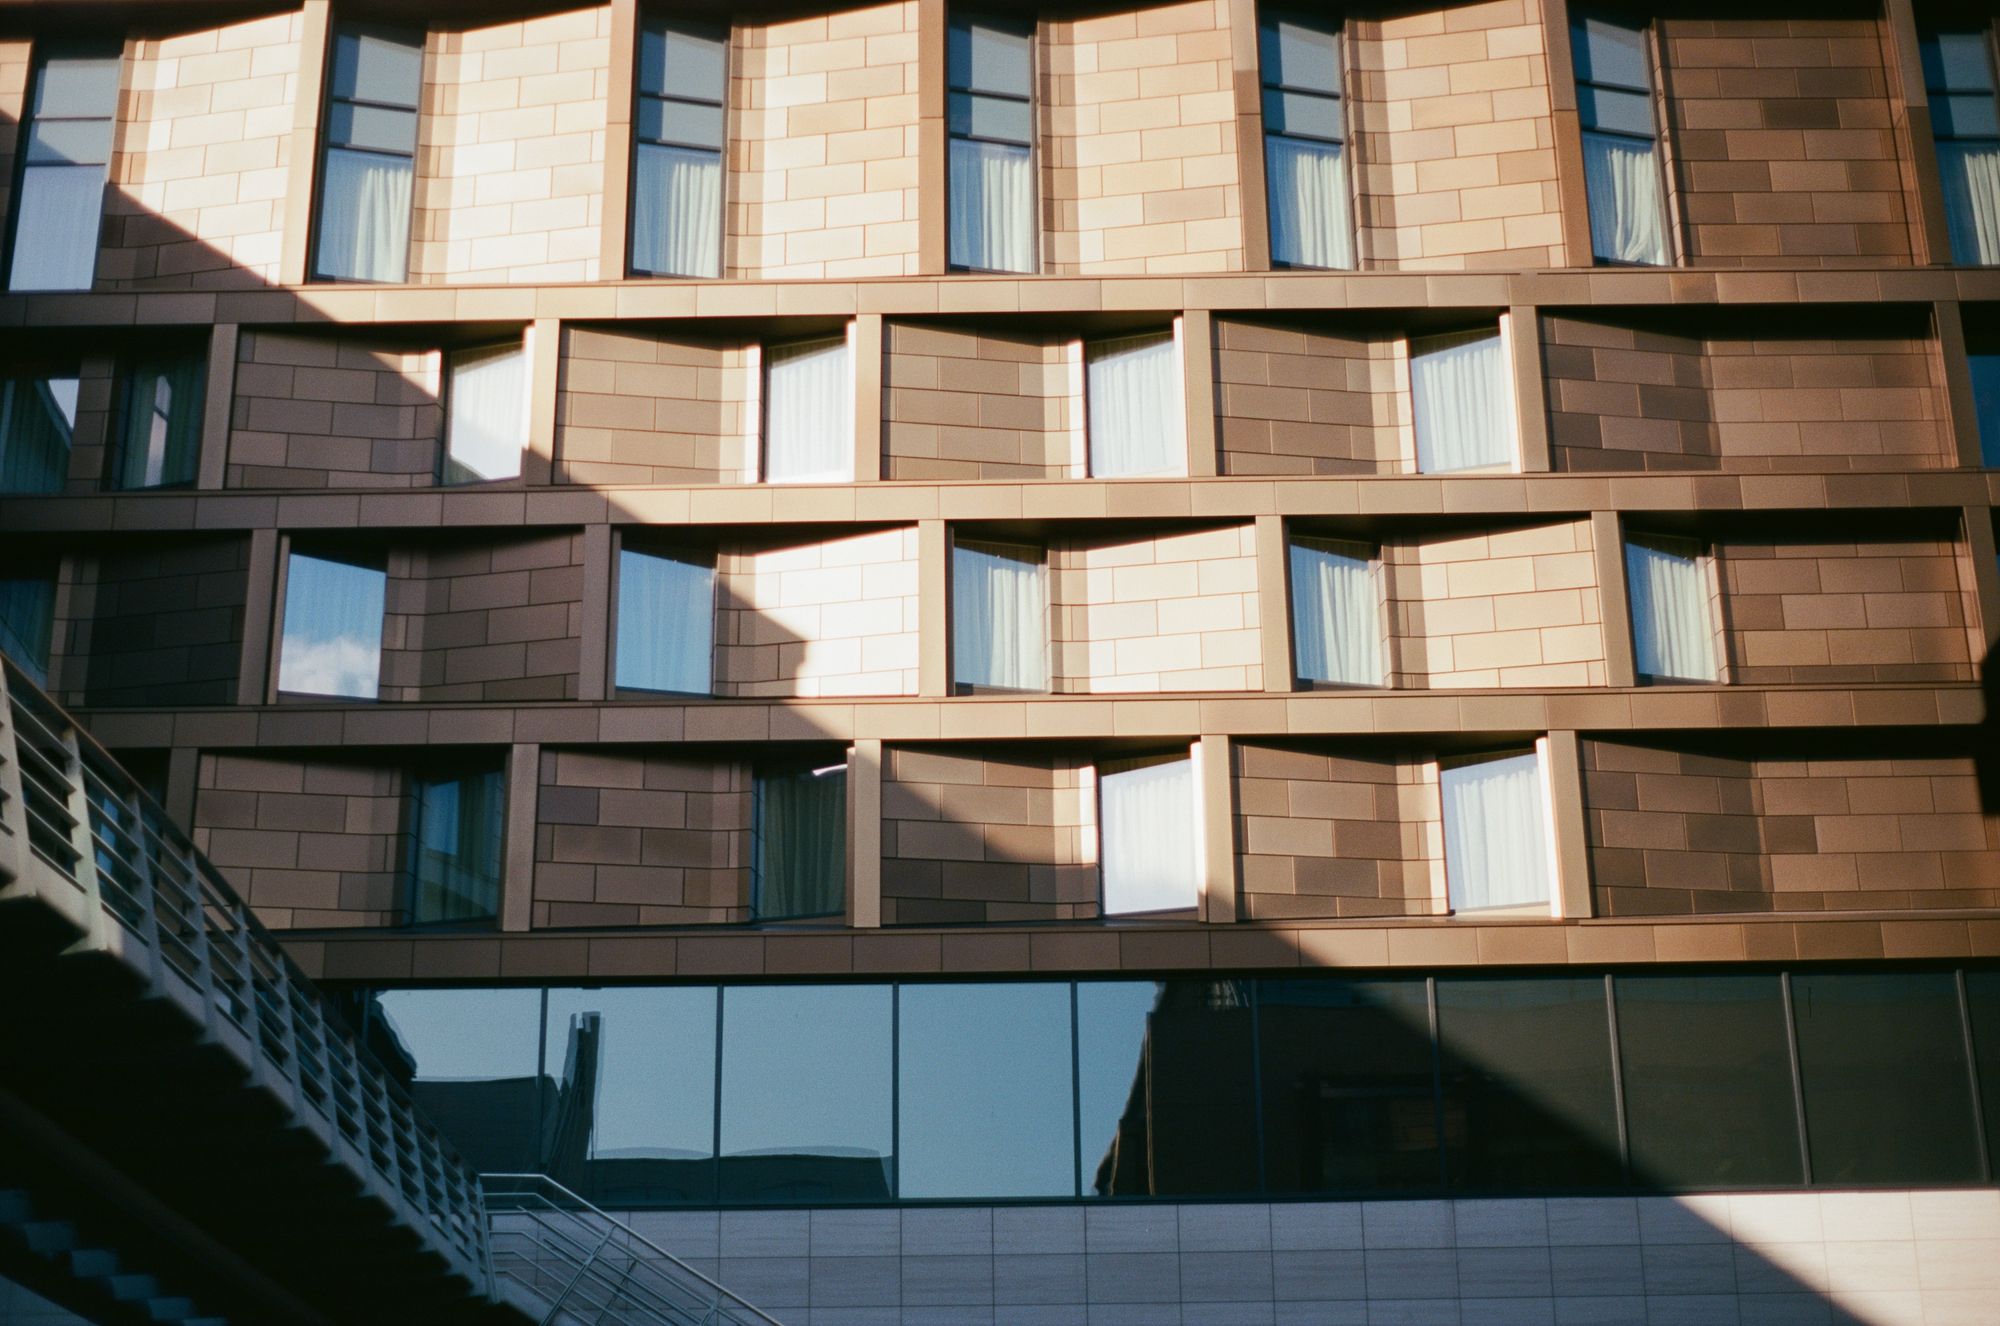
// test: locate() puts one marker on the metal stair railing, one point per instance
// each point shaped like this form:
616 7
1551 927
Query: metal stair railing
583 1267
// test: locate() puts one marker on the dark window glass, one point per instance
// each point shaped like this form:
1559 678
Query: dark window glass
1958 84
677 165
633 1094
368 162
459 823
806 1073
472 1061
1708 1048
798 845
1167 1099
1349 1093
159 432
1887 1092
28 615
986 1107
1986 405
1528 1098
1982 992
37 427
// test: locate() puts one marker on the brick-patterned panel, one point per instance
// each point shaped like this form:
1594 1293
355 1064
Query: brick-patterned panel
510 162
198 179
1322 835
162 624
838 617
1173 612
823 145
962 404
1783 142
334 412
1455 156
639 838
1623 398
639 407
1139 171
500 620
97 406
1303 401
969 836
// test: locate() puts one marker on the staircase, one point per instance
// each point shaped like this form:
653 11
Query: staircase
103 1280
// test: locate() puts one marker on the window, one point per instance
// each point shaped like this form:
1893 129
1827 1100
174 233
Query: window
999 617
475 1060
458 825
1336 613
991 171
809 412
1673 638
1958 81
1621 145
1136 415
369 161
1462 403
1986 405
1496 833
677 153
798 844
1148 836
159 429
37 424
71 117
486 415
1305 135
332 642
27 616
666 622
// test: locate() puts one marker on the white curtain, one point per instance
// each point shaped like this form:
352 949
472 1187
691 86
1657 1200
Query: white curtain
1464 411
677 212
1307 185
809 412
55 233
1496 846
1135 408
487 424
992 206
1622 180
1336 615
666 623
332 642
364 219
1146 837
1671 630
1000 617
801 844
1971 174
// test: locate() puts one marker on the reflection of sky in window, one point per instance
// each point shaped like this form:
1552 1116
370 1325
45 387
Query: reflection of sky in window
459 1035
985 1072
63 392
656 1056
806 1070
333 628
1111 1037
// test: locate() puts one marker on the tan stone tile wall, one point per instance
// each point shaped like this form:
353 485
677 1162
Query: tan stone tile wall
1295 400
157 624
202 157
498 620
1502 607
626 837
642 407
1455 152
1783 142
823 145
833 617
1322 835
972 836
17 62
1138 169
960 404
1622 398
1169 612
1854 403
348 411
510 158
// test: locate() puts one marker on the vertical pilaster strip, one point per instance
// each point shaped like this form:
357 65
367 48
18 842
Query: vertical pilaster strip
1910 120
1274 605
1567 129
1979 551
317 20
1565 756
1531 391
612 258
545 369
1961 411
864 834
593 666
1247 87
934 609
517 872
868 397
217 402
1218 825
1607 543
932 219
260 611
1198 378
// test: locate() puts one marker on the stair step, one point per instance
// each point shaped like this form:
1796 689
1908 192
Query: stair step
49 1237
15 1208
170 1309
93 1263
132 1288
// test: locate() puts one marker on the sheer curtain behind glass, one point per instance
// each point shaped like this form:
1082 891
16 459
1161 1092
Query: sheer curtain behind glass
1147 848
677 165
332 642
809 412
1464 410
1958 77
1672 633
1305 132
1136 416
799 857
666 622
1621 164
1000 616
1496 848
455 873
68 153
160 433
1336 613
486 424
37 426
990 112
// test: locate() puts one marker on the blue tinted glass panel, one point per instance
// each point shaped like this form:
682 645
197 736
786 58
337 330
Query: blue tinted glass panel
1302 114
472 1060
990 117
372 128
687 124
679 62
455 849
27 620
77 87
1609 52
1966 116
666 622
1615 112
1957 61
1986 397
985 57
1298 54
37 425
374 65
332 642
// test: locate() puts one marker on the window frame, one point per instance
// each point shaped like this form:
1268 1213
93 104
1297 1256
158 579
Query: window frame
39 56
1649 36
317 224
661 20
665 552
1335 26
1031 29
1048 616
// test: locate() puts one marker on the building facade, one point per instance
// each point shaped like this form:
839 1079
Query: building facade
1137 663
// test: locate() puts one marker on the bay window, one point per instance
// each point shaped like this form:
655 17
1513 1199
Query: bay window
1305 141
368 154
1621 142
990 113
677 152
66 156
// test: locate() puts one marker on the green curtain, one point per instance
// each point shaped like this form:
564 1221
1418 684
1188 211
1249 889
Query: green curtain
459 828
799 862
27 622
37 418
161 428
